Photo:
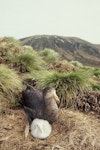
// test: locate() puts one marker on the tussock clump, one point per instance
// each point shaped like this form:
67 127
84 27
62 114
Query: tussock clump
29 60
96 72
49 56
8 49
67 86
10 83
61 66
77 64
21 58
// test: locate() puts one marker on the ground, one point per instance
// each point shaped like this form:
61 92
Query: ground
73 131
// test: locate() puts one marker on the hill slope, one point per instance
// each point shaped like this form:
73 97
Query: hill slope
69 48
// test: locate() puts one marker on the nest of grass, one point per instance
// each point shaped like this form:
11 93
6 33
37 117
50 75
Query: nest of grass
73 130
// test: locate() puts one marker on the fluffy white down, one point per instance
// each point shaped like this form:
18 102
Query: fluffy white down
40 128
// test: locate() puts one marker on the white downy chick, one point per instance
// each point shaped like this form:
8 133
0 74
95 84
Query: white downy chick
40 128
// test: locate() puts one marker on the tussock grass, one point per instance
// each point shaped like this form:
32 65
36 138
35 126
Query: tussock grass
29 59
10 83
49 56
67 85
96 72
8 43
96 86
77 63
9 47
22 57
61 66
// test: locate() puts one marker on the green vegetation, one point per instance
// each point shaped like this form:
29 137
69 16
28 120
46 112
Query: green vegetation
21 63
77 86
96 72
30 60
67 85
49 56
10 83
8 44
96 87
8 47
76 63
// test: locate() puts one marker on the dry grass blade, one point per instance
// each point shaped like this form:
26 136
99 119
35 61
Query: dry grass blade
26 132
58 147
5 138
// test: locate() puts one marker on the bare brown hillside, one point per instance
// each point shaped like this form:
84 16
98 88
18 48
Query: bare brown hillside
70 48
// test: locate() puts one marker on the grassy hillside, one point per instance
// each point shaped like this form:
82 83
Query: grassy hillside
77 86
69 48
21 64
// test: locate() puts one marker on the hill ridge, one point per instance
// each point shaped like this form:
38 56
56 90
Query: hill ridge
70 48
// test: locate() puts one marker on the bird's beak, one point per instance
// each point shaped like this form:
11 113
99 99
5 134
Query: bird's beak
56 99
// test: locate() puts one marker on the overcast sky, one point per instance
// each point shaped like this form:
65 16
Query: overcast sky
75 18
